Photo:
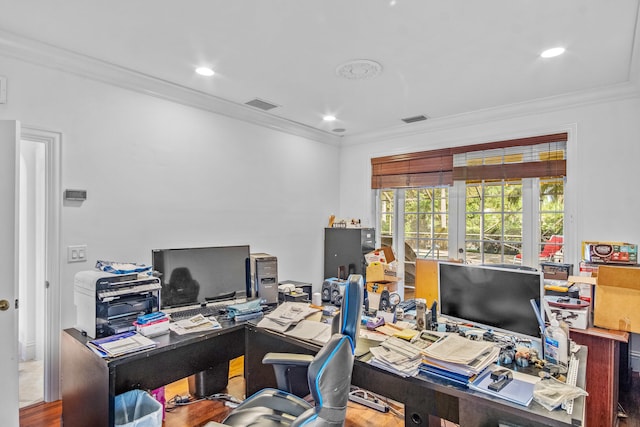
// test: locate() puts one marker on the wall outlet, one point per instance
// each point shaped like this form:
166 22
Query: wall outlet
77 253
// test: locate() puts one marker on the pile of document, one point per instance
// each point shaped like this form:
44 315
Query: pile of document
286 315
457 358
120 344
197 323
398 356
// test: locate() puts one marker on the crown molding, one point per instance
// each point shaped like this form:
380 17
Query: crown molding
621 91
50 56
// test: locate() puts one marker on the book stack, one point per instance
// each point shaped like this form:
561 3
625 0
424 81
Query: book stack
120 344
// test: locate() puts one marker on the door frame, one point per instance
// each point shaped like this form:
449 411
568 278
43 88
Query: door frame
53 194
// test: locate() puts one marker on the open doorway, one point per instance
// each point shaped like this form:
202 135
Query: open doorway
38 260
31 276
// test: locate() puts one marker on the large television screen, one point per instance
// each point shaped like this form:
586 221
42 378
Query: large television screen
491 297
200 275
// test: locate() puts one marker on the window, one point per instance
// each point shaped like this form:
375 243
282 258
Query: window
423 218
500 202
493 221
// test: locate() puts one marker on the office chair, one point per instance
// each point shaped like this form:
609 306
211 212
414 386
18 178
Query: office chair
182 288
329 377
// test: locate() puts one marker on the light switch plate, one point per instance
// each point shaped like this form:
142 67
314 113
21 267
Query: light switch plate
77 253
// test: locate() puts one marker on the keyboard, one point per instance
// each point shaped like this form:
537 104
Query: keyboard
207 311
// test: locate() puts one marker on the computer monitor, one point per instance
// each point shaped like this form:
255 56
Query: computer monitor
199 275
490 297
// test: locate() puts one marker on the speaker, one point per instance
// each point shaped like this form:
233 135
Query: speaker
385 304
326 291
421 315
337 291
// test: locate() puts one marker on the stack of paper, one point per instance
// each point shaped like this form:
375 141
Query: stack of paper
398 356
197 323
311 330
286 315
458 359
120 344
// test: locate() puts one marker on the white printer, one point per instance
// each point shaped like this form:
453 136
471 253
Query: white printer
108 303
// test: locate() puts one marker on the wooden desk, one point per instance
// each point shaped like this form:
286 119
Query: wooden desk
90 383
423 398
603 374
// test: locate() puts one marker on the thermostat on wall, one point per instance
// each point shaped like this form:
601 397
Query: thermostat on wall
78 195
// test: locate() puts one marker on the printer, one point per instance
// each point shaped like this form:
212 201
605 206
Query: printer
108 304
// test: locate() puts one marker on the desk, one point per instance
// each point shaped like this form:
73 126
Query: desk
603 376
422 398
90 383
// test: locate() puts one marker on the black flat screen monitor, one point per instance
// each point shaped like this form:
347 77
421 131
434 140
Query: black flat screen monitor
490 297
199 275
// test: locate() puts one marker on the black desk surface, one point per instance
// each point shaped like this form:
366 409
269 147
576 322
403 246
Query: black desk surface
422 396
90 383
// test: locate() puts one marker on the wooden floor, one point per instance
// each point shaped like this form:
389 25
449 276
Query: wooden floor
198 414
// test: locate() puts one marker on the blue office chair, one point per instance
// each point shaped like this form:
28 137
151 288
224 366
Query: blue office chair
328 375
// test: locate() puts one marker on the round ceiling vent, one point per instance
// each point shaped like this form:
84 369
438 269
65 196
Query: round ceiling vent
359 69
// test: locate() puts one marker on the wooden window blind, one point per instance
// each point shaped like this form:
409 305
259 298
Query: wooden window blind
540 156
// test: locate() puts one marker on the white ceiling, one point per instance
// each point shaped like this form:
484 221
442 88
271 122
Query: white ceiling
440 58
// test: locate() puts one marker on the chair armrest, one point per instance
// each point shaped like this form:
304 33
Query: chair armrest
291 359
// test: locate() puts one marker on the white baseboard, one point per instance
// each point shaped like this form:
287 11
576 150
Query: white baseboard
27 351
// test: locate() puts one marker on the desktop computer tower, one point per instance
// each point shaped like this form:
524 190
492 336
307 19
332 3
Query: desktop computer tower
264 277
344 250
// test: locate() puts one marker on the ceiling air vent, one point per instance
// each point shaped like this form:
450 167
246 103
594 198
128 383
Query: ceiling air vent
414 119
263 105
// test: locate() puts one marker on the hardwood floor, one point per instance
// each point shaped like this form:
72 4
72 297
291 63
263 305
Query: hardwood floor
198 414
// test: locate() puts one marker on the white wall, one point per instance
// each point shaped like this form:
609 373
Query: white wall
160 174
603 156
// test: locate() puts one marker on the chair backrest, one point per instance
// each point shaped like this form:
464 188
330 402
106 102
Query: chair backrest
351 307
552 246
329 373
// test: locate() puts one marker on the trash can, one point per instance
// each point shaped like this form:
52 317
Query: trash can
137 408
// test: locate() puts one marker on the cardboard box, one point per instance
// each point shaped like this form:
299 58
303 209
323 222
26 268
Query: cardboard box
611 252
617 298
577 319
379 272
377 288
556 271
383 255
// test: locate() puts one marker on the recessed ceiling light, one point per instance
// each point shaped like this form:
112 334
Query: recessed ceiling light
205 71
329 118
550 53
